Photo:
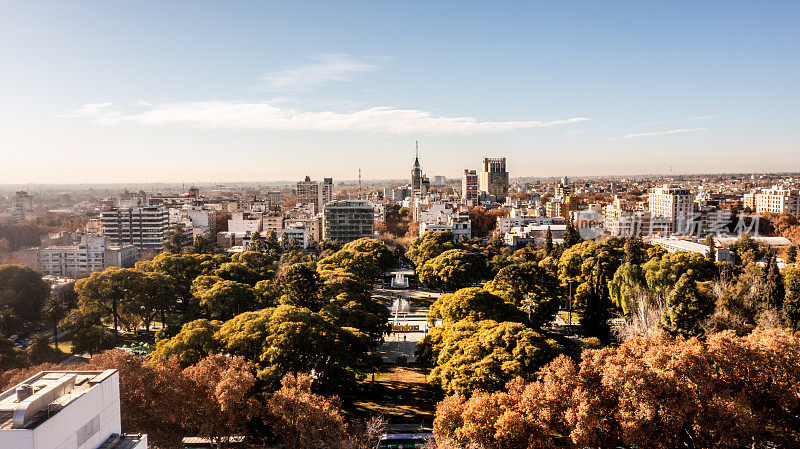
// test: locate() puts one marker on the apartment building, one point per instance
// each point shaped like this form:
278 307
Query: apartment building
777 200
245 222
673 203
469 187
316 193
144 227
92 253
348 220
65 410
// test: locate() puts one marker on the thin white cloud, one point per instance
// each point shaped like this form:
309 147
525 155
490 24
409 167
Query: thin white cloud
322 69
663 133
664 122
272 117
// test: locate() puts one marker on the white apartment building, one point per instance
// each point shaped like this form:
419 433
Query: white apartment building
65 410
299 232
458 224
777 200
673 203
93 253
504 224
141 226
241 222
313 225
520 236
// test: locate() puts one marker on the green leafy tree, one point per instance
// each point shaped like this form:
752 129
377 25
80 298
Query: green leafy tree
238 272
365 257
791 254
773 291
301 286
634 251
531 287
628 279
224 299
687 308
193 343
92 340
594 322
429 245
791 306
745 245
453 269
711 254
204 244
474 304
23 290
288 339
571 235
485 355
548 242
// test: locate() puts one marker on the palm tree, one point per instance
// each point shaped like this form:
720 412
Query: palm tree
9 322
54 311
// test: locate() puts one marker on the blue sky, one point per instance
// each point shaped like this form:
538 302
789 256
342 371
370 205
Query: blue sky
259 91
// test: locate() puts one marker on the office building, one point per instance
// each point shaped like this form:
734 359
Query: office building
65 410
348 220
494 178
469 187
144 227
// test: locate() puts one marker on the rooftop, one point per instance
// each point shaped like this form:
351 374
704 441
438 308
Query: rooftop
36 399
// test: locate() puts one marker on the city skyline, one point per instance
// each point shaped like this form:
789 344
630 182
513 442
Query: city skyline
122 94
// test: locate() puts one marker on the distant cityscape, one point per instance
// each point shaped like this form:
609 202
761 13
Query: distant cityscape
118 228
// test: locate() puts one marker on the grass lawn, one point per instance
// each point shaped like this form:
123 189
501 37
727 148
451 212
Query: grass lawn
422 300
65 346
576 317
400 393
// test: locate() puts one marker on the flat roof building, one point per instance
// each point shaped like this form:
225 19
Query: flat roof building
348 220
65 410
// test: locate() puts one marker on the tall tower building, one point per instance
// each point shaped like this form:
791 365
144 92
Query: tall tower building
494 178
469 187
419 182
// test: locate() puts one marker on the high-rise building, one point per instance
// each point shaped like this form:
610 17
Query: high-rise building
316 193
469 187
494 178
144 227
348 220
65 410
673 203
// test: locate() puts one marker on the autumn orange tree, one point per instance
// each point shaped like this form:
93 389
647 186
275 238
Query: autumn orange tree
303 419
658 391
